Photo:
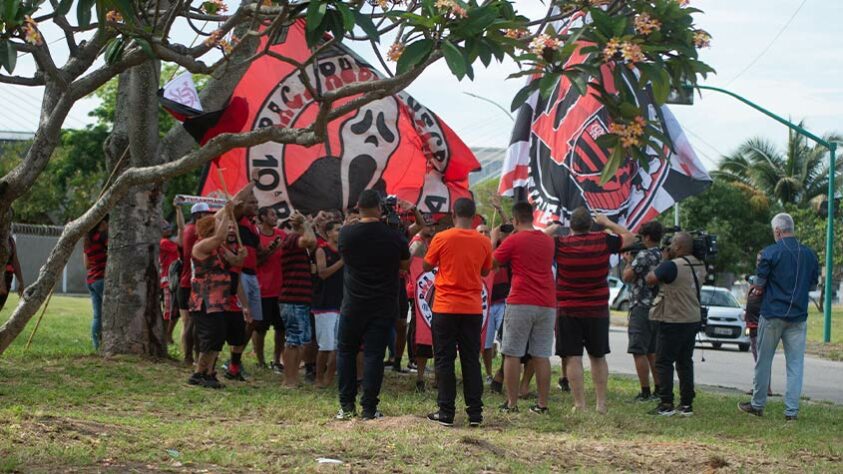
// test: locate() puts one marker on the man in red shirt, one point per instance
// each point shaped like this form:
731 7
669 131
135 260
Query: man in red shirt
95 257
582 293
269 277
168 252
530 306
296 293
188 239
463 256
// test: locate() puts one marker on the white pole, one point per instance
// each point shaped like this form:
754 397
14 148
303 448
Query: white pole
64 280
676 214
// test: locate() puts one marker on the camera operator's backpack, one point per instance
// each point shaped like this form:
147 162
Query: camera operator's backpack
703 309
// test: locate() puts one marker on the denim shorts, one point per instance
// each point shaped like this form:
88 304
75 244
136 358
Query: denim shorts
494 324
252 289
297 322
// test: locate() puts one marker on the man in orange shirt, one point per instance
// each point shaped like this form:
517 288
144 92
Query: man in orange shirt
463 256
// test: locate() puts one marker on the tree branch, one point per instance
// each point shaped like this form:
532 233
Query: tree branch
37 79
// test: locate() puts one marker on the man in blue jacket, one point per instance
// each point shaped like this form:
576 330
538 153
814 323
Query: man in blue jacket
786 273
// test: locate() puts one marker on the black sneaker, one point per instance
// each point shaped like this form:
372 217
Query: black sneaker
685 410
420 386
238 376
664 409
505 408
564 385
747 407
346 414
496 386
196 379
790 417
210 381
438 418
399 370
310 376
277 368
373 415
539 410
642 397
475 421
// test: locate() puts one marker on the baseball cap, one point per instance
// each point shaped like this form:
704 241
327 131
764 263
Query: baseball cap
200 207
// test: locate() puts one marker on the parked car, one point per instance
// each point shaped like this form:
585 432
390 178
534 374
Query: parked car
621 301
615 287
726 324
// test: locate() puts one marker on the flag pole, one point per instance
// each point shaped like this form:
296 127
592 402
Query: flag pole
38 322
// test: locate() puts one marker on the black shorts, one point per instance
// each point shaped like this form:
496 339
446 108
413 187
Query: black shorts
403 304
235 328
573 334
271 310
424 351
642 332
183 297
211 329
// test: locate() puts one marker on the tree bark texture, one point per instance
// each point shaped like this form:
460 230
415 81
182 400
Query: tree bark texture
132 321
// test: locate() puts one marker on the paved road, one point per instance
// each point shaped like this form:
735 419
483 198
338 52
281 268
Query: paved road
733 369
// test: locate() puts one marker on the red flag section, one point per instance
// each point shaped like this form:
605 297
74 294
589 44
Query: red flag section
421 294
395 144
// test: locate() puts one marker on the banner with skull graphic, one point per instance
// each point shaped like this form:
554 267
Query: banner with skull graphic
554 160
394 145
421 292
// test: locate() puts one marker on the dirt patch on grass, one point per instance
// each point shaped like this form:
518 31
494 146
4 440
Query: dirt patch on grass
58 430
830 351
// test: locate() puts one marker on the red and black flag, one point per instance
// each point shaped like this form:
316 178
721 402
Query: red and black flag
395 144
554 159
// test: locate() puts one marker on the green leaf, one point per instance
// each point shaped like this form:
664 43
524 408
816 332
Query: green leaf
612 165
83 12
454 58
114 50
365 23
478 20
64 7
10 11
522 95
347 16
607 141
127 9
629 111
8 55
146 47
484 52
315 14
547 83
661 85
414 54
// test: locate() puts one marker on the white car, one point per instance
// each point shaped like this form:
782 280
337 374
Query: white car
615 287
726 324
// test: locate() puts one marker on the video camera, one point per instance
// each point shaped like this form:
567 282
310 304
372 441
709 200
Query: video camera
389 209
635 247
705 244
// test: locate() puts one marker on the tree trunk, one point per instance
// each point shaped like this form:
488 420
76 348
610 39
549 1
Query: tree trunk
132 321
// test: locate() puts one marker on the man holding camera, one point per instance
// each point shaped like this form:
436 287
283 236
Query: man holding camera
373 254
786 273
677 310
642 331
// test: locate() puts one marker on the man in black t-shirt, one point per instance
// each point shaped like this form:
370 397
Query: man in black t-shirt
373 254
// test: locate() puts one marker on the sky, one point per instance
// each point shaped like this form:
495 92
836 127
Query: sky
791 65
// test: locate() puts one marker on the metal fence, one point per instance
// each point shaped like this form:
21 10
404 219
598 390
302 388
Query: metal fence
34 244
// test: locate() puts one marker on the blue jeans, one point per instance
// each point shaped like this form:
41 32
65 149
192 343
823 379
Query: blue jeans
252 289
792 335
96 289
297 323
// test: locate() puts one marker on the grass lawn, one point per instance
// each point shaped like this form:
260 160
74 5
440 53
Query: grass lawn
832 350
62 408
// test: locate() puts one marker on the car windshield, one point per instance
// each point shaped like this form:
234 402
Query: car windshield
719 298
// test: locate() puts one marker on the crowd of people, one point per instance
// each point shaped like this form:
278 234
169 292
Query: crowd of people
335 289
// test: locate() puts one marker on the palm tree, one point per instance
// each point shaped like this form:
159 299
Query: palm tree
794 176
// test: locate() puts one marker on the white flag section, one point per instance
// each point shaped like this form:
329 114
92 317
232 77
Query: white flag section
182 90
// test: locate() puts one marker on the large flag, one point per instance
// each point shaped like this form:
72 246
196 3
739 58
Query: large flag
554 160
421 293
395 144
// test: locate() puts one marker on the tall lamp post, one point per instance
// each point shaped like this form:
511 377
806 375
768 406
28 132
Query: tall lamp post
832 149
